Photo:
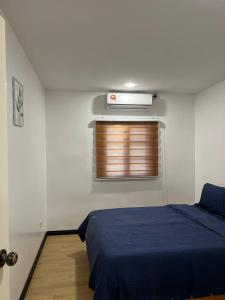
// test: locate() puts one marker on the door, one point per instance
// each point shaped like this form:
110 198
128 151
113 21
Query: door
4 219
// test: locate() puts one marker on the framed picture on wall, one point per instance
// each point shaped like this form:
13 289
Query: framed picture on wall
18 116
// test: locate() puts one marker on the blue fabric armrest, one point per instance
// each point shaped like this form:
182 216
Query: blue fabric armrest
213 198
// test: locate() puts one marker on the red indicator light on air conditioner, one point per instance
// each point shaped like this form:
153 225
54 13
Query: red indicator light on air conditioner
113 97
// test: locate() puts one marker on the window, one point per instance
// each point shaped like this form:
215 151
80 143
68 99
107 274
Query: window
126 150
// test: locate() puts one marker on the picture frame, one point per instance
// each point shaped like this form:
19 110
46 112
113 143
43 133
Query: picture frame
18 110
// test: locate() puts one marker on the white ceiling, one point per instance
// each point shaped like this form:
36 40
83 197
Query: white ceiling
162 45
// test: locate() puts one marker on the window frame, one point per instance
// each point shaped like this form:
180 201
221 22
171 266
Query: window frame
126 178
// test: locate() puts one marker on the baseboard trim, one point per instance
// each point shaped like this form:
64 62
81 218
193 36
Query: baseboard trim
62 232
29 278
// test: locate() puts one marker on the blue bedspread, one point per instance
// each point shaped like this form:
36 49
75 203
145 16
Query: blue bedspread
169 252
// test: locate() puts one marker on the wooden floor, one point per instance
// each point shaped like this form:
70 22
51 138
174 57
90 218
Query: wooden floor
62 272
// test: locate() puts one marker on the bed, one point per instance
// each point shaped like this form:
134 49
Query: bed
152 253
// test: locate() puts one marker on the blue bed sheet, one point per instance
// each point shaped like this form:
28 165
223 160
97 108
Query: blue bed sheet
153 253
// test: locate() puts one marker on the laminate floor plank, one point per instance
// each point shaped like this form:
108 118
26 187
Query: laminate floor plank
62 271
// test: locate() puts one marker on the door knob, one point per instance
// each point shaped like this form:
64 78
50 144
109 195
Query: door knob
10 259
3 256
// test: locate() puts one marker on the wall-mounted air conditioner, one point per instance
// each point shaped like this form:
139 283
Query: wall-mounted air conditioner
128 101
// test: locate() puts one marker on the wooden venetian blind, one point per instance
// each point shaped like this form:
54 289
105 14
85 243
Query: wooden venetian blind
126 150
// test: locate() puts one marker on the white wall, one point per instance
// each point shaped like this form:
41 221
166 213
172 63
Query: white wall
210 137
72 191
27 165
